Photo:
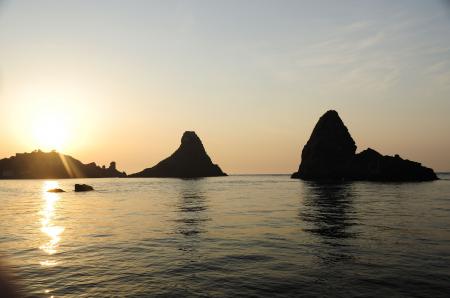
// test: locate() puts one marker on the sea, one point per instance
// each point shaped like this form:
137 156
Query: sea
236 236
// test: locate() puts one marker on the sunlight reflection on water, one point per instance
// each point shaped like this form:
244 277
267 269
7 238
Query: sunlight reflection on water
252 236
47 226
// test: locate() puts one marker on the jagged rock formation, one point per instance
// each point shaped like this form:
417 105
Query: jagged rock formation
52 165
329 154
190 160
371 165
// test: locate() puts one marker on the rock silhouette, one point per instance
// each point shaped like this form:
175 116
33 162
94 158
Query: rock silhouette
328 150
371 165
83 187
52 165
329 154
190 160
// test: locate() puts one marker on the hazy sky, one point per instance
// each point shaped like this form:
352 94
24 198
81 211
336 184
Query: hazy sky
122 80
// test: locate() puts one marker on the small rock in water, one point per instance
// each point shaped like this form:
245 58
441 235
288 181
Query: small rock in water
55 190
83 187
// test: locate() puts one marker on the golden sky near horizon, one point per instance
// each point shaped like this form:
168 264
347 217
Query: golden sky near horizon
115 80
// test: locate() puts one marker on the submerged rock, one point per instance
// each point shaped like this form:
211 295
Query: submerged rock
83 187
55 190
329 154
190 160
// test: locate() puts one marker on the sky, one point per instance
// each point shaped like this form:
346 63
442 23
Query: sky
122 80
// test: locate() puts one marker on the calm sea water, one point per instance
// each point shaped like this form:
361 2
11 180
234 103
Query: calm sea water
246 236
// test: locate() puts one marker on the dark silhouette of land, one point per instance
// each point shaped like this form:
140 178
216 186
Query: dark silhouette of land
329 154
190 160
52 165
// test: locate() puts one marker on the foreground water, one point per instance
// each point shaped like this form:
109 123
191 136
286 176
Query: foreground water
227 237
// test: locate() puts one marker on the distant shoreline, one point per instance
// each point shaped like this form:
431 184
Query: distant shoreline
197 178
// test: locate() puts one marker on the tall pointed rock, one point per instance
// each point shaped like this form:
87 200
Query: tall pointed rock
328 150
329 154
190 160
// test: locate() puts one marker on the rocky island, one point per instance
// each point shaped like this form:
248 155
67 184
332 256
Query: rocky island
52 165
190 160
330 154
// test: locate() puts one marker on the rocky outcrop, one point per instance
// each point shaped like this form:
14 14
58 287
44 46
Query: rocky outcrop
52 165
328 150
190 160
329 154
83 187
371 165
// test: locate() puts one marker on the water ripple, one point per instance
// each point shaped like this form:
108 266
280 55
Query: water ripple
246 236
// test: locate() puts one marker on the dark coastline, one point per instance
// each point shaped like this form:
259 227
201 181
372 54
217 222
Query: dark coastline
329 155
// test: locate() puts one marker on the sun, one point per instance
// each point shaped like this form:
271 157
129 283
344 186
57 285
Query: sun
50 133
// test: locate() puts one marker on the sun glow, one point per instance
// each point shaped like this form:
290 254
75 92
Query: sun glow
52 115
50 133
